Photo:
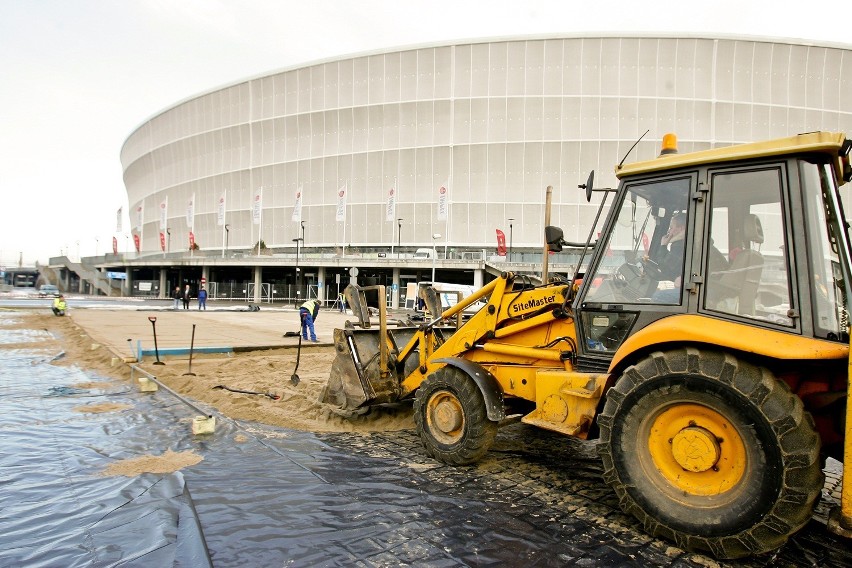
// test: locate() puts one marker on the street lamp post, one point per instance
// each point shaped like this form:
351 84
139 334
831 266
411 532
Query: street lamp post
435 237
399 238
168 240
510 238
227 234
298 272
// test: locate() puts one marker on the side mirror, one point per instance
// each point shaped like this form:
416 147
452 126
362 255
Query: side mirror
588 186
553 236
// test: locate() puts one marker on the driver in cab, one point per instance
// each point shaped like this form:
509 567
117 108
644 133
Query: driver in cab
669 259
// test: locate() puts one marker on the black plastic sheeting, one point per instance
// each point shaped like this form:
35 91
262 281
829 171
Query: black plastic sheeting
57 508
272 497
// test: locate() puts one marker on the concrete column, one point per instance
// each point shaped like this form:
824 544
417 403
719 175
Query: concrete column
164 291
321 285
395 289
205 277
128 282
477 278
258 282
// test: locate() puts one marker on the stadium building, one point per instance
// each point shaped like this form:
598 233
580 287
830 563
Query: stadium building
406 163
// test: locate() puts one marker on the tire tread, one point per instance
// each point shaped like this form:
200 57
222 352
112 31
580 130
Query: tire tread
802 478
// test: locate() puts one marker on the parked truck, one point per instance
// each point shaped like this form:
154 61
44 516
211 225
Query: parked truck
705 347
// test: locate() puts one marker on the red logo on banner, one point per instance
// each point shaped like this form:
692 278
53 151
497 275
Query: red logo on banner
191 240
163 241
114 245
501 243
136 241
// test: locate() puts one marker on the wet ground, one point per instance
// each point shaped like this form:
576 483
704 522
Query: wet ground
268 497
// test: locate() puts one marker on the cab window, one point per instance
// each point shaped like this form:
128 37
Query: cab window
828 296
747 261
644 254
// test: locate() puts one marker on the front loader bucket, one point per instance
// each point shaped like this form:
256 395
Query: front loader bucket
356 378
357 302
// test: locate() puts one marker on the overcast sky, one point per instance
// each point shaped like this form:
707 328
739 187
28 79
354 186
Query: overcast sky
78 76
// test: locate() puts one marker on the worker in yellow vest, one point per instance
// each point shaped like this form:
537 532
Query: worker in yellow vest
59 306
309 312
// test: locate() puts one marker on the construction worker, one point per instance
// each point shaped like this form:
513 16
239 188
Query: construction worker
309 312
59 306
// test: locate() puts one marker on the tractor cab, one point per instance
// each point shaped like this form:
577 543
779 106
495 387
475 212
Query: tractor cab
753 235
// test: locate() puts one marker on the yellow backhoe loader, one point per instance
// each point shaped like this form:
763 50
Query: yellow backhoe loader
705 345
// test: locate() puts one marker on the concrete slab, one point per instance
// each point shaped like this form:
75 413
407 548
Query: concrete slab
124 331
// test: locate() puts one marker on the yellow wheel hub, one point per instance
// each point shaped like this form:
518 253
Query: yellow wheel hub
697 450
445 417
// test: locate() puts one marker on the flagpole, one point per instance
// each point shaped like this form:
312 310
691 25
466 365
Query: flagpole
345 216
449 209
260 222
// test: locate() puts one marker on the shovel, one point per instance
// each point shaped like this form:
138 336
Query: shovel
294 378
191 347
229 389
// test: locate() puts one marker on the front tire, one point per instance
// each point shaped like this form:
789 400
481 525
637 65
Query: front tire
451 418
710 452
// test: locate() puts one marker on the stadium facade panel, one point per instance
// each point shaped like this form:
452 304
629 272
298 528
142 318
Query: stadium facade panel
493 122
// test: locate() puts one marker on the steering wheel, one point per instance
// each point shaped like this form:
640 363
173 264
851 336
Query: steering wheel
630 280
652 269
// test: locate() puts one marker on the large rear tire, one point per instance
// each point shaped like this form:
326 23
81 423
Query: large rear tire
451 418
710 452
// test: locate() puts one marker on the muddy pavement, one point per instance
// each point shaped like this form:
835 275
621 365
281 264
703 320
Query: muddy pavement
267 496
537 498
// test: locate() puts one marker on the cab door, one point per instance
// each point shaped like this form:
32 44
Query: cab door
746 265
641 268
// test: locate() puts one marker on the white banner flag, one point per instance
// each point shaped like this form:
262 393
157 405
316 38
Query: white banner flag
118 220
443 203
190 212
341 204
297 208
220 211
164 210
256 206
390 209
139 218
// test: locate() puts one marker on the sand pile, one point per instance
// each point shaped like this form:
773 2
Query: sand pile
166 463
269 372
262 371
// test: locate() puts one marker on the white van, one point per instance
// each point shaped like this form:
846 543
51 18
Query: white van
423 253
448 294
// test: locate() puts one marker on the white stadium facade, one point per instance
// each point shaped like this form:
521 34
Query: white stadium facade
362 160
